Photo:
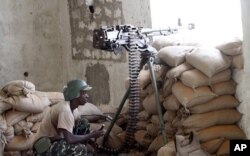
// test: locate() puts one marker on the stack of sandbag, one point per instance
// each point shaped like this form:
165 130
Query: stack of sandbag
207 96
197 93
21 110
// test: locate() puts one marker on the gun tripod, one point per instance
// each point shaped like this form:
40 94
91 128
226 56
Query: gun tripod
133 94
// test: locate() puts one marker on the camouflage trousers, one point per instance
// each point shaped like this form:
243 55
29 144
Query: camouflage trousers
62 148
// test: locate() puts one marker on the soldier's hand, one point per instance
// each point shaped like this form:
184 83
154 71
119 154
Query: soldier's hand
98 133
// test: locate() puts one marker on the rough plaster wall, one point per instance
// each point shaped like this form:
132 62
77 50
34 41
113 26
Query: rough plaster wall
243 90
107 13
30 42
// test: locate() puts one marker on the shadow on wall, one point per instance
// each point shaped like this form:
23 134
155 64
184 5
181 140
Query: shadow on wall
98 77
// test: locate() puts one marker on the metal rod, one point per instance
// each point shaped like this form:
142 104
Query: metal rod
116 115
157 100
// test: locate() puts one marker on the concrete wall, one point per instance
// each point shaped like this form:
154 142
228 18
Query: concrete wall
36 38
243 90
30 42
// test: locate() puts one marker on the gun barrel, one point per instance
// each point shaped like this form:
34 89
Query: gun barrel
148 30
157 32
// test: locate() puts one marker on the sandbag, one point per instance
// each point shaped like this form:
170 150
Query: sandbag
20 143
113 141
4 106
141 125
169 116
174 55
37 117
230 47
12 153
2 95
1 148
224 131
221 102
238 62
167 150
116 129
184 38
175 72
170 130
152 130
22 127
87 109
150 88
122 136
189 97
13 117
224 88
177 122
155 120
194 78
35 127
156 144
163 41
167 87
107 109
188 146
30 103
149 104
9 133
3 123
54 97
144 77
208 61
213 145
171 103
237 75
143 138
220 117
143 116
18 87
224 148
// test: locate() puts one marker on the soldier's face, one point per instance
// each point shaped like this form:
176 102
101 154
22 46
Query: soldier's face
83 97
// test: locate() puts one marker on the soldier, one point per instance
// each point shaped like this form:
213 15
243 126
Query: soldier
59 135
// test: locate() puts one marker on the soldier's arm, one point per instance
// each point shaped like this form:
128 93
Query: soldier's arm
71 138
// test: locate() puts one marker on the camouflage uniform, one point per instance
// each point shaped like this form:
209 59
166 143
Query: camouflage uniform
62 148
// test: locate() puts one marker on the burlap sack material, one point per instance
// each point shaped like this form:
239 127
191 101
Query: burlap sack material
189 97
201 59
194 78
188 146
220 102
219 117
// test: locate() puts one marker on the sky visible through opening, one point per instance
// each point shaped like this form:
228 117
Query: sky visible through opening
214 17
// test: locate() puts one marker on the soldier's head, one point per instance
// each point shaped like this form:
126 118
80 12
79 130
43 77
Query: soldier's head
76 90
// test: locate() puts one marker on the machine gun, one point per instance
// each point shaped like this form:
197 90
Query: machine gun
114 38
133 39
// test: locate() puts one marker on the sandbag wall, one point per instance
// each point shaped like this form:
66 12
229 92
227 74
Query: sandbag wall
21 110
197 93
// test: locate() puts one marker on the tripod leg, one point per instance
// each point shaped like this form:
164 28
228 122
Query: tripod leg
116 115
157 100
